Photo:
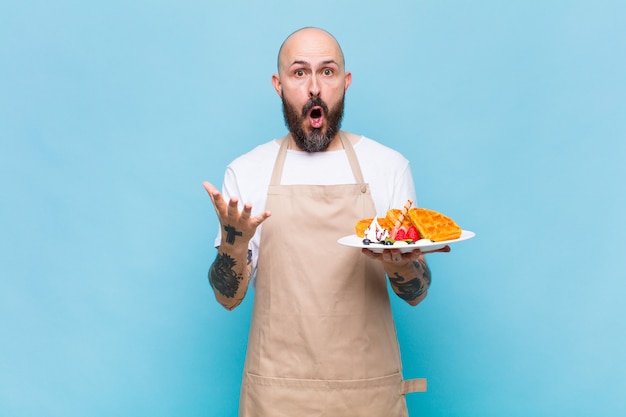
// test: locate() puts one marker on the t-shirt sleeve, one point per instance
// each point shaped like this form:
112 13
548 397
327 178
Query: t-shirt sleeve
391 182
404 188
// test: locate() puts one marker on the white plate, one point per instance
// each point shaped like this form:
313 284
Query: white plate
357 242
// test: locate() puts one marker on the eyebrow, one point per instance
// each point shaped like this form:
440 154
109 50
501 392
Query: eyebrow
301 62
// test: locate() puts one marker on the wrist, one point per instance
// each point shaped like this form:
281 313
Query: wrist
236 249
397 267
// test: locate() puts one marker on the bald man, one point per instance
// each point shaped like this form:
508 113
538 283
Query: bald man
322 339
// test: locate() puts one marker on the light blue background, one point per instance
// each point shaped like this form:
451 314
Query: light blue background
113 113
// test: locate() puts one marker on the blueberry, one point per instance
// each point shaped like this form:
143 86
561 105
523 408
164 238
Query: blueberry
366 241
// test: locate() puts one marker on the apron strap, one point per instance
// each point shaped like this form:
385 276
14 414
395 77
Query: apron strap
354 161
414 385
277 172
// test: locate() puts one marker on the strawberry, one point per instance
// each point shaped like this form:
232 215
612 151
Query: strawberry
412 234
401 234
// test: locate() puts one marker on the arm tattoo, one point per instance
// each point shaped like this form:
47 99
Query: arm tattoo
413 288
423 268
222 276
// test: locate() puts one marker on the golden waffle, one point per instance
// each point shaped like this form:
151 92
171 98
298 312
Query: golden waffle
433 225
392 216
363 224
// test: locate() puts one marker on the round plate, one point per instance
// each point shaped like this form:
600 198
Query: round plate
357 242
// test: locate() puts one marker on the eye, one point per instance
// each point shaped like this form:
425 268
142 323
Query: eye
328 71
299 73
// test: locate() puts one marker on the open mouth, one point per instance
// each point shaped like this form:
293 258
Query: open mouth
316 113
316 117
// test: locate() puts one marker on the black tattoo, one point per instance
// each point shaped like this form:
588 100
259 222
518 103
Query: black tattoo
222 276
423 267
231 233
413 288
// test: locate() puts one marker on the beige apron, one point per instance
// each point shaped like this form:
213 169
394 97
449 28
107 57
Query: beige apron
322 339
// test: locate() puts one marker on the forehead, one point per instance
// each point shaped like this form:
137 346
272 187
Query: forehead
309 45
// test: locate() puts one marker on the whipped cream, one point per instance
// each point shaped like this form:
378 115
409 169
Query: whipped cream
375 232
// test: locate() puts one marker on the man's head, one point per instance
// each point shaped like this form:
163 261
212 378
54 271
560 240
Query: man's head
312 82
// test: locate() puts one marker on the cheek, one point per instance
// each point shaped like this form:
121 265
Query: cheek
294 86
334 90
295 99
333 83
294 94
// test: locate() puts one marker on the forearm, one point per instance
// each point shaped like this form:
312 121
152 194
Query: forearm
229 274
409 281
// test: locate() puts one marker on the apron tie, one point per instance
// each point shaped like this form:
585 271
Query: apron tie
413 385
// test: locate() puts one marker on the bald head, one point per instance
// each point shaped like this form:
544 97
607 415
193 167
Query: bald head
312 83
306 42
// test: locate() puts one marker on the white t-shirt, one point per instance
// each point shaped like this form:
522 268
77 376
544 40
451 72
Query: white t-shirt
387 172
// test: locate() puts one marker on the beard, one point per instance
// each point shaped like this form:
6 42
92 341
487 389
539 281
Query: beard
318 139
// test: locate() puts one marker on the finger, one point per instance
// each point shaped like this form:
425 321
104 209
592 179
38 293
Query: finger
387 256
214 193
211 191
394 259
370 254
246 212
257 220
415 255
233 207
216 197
210 188
444 249
396 256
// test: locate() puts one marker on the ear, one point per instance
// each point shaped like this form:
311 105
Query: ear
347 81
277 85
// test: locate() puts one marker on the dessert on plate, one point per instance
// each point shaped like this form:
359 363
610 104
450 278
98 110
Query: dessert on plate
408 225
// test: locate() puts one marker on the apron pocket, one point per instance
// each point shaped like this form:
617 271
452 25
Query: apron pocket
287 397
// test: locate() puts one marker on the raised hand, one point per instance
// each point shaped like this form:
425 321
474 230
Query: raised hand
235 224
229 274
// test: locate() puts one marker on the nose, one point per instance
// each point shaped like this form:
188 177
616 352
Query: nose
314 87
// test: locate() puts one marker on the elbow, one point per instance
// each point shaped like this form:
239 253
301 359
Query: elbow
229 305
414 302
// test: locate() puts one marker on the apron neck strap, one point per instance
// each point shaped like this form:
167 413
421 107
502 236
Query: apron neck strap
277 173
354 161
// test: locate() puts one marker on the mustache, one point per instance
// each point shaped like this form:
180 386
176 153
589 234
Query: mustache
314 102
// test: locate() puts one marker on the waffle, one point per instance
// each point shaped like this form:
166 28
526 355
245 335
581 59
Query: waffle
392 217
361 225
433 225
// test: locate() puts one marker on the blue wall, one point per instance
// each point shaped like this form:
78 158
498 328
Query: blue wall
113 113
